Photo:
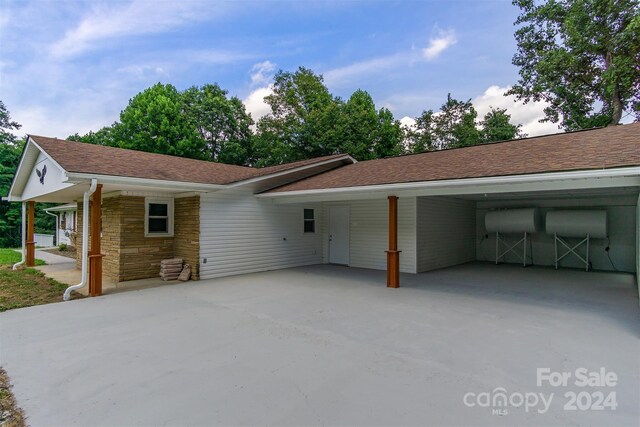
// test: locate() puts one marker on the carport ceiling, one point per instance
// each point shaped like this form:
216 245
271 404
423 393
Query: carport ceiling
562 194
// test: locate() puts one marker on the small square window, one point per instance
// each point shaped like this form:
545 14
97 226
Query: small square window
309 221
158 217
158 225
158 209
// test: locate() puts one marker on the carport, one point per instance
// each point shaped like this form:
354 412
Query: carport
429 209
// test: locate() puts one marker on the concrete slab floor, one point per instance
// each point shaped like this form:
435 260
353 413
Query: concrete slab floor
328 345
68 273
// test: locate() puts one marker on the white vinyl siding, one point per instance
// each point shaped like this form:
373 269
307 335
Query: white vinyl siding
243 234
369 233
446 230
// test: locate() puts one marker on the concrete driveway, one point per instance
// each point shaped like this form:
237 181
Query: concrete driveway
330 345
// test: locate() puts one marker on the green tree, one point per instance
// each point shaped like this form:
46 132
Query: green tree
365 133
221 122
301 121
497 126
155 121
104 136
581 57
455 125
387 140
358 126
11 213
10 151
421 136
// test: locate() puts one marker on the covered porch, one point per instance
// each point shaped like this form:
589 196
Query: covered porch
125 226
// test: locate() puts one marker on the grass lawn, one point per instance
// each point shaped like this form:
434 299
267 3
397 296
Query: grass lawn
10 257
26 286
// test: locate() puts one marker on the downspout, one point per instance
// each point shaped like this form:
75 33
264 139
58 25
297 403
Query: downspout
57 226
85 241
24 236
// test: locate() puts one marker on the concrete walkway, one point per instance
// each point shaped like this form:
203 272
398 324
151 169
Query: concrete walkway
327 345
50 258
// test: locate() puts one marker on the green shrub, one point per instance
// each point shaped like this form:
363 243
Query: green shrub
62 247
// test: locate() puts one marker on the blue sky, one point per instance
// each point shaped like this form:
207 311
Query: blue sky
71 66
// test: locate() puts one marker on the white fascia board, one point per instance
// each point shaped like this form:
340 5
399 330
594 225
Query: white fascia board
66 207
288 171
125 180
463 185
30 142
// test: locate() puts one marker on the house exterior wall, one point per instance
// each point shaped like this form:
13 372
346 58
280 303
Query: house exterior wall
445 232
140 256
69 227
622 223
241 233
129 255
369 233
186 239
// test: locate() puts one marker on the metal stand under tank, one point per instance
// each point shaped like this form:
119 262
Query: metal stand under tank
580 224
512 248
571 250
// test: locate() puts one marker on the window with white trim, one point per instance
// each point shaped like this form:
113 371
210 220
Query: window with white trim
309 219
158 217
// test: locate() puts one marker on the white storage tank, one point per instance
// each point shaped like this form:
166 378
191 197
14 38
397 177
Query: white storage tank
578 223
506 221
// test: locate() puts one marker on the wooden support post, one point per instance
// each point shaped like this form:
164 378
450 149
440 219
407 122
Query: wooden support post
393 254
30 242
95 255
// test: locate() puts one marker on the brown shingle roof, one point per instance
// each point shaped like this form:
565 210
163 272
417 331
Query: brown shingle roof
80 157
609 147
286 166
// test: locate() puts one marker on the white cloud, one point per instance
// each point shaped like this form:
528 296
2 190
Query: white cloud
527 114
65 119
439 44
255 102
135 18
350 72
143 71
212 56
261 73
407 121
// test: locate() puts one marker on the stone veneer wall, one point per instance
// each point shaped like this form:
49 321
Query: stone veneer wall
129 255
186 241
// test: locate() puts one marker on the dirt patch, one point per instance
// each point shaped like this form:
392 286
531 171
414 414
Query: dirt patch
10 414
26 287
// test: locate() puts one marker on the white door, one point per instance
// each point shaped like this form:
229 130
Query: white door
339 235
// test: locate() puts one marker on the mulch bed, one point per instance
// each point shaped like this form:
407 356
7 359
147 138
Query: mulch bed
70 252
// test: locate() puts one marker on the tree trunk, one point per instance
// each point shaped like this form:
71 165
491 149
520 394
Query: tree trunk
616 104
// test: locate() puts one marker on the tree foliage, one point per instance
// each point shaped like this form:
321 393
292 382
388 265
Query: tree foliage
306 121
10 150
11 213
496 126
580 56
221 122
199 123
456 125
